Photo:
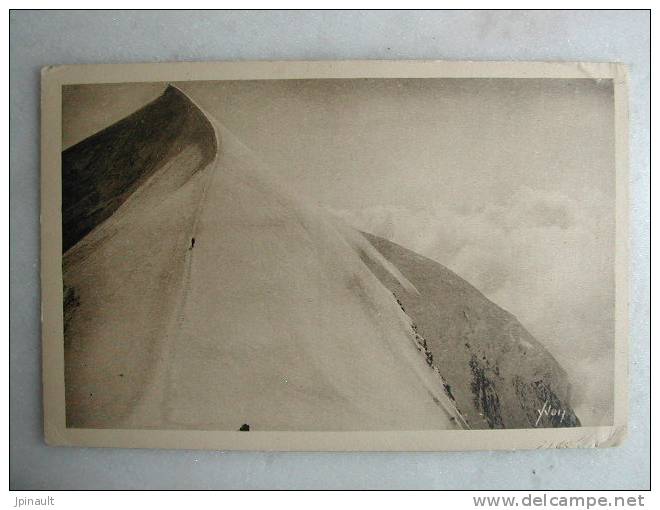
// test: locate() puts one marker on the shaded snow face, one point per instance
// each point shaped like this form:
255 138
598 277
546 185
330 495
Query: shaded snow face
101 172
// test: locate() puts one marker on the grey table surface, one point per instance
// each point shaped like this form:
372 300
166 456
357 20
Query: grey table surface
40 38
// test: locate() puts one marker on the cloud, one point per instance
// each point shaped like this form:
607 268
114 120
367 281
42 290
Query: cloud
545 257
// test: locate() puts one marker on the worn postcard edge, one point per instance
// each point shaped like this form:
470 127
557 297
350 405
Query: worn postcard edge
56 432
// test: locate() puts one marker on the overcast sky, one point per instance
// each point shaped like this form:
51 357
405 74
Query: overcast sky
510 183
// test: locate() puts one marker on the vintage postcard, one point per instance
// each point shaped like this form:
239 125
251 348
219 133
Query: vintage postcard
358 255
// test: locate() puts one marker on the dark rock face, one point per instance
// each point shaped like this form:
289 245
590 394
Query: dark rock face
486 400
541 395
71 301
499 375
101 172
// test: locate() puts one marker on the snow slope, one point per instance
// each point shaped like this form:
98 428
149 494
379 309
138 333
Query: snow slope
280 316
272 319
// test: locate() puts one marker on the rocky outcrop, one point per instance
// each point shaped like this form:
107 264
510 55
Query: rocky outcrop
497 373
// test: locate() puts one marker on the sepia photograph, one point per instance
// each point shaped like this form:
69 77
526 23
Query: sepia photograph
321 253
381 250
